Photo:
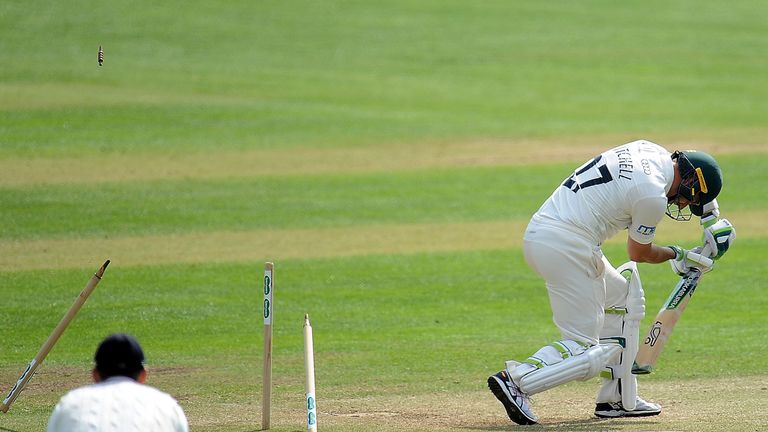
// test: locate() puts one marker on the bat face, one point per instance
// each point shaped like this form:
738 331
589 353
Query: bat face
683 289
665 322
653 334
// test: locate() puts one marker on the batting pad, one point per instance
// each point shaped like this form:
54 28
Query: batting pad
580 367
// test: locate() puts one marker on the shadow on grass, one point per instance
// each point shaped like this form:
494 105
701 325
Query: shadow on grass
590 425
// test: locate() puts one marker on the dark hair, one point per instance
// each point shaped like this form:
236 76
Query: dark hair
119 355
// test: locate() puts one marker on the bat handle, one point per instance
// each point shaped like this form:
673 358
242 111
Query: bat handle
699 259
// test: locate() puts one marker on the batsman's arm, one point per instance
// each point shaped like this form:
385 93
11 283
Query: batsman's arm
647 252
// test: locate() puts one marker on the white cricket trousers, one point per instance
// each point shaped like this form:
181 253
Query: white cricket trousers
581 284
579 279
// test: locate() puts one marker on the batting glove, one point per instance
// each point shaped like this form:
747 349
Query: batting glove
718 236
681 264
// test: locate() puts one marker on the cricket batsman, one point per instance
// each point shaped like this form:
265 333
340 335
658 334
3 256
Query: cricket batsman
629 187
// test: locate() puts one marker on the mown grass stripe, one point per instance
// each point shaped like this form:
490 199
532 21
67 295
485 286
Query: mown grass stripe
257 245
191 205
239 246
194 206
100 168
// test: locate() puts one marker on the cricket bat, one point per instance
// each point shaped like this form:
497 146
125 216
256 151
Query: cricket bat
667 318
665 321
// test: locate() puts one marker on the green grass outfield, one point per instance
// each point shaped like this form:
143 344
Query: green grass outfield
386 157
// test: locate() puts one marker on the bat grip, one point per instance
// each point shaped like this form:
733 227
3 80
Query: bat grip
699 259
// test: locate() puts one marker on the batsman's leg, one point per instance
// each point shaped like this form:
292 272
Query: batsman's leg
551 366
559 363
572 267
626 308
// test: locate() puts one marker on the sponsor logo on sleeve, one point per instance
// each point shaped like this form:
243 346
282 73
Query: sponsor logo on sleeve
646 230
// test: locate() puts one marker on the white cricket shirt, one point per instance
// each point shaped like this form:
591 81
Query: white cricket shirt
622 188
117 404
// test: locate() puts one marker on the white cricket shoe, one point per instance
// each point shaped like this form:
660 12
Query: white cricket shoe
515 401
616 409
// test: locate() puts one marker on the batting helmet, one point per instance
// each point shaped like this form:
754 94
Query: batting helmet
701 178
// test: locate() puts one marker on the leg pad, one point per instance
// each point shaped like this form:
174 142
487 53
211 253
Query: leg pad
580 367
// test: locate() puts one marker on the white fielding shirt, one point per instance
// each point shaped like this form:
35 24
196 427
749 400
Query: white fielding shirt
622 188
117 404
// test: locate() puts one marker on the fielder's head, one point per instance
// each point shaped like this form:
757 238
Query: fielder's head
701 181
119 355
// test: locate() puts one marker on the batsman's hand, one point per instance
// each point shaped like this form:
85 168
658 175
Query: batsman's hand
685 260
718 237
